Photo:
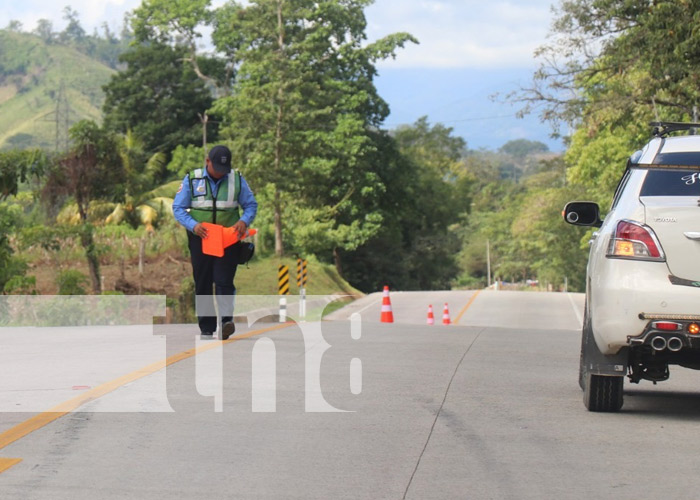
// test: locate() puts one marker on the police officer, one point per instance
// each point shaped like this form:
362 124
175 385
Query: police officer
214 194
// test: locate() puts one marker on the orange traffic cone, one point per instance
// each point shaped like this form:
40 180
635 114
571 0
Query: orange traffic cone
431 317
387 315
446 315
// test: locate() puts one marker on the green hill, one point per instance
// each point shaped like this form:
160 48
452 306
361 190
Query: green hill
42 84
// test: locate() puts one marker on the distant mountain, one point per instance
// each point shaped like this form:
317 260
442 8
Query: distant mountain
44 88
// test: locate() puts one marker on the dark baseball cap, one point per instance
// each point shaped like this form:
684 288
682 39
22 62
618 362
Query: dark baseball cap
220 157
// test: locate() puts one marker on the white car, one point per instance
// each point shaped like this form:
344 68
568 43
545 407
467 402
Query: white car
642 309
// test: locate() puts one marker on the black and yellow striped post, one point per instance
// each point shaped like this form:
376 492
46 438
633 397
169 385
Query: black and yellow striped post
301 283
283 289
302 274
283 280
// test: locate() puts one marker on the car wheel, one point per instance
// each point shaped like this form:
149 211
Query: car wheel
603 393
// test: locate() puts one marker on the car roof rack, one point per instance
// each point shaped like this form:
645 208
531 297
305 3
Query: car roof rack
662 129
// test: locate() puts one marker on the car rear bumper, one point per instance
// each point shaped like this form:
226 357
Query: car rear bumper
625 291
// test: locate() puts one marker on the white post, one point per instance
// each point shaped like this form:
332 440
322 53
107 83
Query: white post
283 309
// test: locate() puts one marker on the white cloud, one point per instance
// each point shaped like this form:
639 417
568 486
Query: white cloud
463 33
452 33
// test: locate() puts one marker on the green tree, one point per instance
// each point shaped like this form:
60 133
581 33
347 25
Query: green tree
493 210
17 167
10 265
107 47
432 146
551 248
143 192
598 162
14 25
519 158
73 32
89 171
438 157
612 66
185 158
426 191
158 98
177 23
615 57
44 30
521 224
520 148
382 260
304 105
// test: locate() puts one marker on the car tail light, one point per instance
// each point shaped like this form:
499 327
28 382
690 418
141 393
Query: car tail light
693 328
633 240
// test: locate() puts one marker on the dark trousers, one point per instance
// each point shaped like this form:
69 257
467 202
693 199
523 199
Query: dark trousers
213 272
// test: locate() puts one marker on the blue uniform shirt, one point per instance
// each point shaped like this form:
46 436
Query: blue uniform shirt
182 201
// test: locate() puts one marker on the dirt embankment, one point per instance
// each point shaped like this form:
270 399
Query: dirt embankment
162 275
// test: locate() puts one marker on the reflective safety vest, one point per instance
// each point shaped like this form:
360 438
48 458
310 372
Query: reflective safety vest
220 210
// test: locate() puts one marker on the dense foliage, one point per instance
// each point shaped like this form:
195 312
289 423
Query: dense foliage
290 88
612 67
157 97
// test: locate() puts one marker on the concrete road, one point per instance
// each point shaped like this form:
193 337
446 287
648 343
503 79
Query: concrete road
485 409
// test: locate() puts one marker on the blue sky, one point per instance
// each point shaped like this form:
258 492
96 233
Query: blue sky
469 50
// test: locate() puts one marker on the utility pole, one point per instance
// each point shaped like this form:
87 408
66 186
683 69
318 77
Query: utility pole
204 119
488 263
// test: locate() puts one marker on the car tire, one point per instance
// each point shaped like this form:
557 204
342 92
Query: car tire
603 393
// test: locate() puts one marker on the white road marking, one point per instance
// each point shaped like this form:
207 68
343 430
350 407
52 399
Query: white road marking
576 311
373 303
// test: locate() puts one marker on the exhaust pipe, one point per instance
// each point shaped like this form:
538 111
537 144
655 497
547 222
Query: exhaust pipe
658 343
675 344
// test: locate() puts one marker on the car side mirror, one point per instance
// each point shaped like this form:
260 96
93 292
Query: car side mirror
582 213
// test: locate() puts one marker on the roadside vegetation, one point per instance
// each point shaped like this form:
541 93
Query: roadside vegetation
412 208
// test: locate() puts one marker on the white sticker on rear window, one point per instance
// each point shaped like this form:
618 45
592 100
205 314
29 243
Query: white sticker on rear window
691 179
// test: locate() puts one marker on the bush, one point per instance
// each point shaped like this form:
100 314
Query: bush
10 265
21 285
72 282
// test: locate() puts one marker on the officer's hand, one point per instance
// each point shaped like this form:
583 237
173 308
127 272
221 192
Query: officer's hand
200 230
240 228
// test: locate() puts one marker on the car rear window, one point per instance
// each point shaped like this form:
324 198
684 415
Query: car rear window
671 183
690 158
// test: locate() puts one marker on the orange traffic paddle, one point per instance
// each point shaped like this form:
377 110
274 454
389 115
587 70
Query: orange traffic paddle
220 237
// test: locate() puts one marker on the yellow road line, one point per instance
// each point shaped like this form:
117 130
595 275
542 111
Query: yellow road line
464 309
6 463
42 419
